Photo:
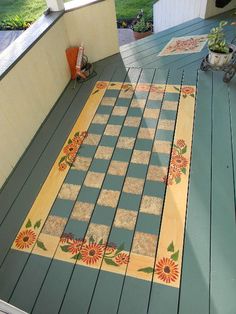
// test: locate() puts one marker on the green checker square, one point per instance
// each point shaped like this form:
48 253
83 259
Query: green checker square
103 215
148 223
121 154
123 102
87 151
135 112
164 135
104 109
140 95
168 115
160 159
137 171
77 228
88 195
149 123
153 104
99 165
62 208
129 131
116 120
96 128
113 182
130 201
108 140
143 144
112 93
172 96
154 189
75 177
120 236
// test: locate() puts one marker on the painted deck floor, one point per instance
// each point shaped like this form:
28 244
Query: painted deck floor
125 200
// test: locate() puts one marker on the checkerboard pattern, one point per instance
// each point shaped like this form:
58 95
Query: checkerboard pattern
114 192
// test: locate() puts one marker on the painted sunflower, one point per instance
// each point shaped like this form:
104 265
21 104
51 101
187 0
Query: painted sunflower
167 270
25 239
91 253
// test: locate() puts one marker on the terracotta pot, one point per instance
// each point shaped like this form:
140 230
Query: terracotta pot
138 35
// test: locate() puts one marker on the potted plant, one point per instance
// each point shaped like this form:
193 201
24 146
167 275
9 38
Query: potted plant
141 28
220 52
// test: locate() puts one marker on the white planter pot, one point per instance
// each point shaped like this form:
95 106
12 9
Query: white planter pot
220 59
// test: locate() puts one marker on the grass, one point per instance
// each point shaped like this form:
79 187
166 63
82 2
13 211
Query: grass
128 9
30 10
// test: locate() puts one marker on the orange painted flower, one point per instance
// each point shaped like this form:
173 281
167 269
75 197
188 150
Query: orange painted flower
110 248
62 166
168 180
71 157
66 237
25 239
156 89
181 143
143 87
167 270
187 90
174 172
101 85
77 140
70 149
91 253
122 258
75 246
179 161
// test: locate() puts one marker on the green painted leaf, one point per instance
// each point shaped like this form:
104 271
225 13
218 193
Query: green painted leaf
147 270
64 248
69 163
77 256
175 256
62 159
37 224
41 245
100 242
171 247
91 239
183 170
76 134
113 84
184 150
109 261
192 95
176 88
177 180
185 96
95 91
69 141
120 248
29 224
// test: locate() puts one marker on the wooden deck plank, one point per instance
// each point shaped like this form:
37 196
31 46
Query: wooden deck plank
197 238
174 214
27 280
161 34
105 282
223 231
150 58
24 201
83 305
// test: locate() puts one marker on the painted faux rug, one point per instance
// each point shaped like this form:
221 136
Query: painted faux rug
124 166
182 45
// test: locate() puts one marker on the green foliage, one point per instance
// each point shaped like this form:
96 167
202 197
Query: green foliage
141 26
216 39
127 9
14 22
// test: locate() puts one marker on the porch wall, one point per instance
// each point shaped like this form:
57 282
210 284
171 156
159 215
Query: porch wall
211 10
95 26
28 92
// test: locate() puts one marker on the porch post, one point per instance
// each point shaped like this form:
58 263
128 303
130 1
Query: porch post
56 5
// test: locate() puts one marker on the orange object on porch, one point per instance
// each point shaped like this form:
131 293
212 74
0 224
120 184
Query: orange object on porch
71 55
